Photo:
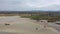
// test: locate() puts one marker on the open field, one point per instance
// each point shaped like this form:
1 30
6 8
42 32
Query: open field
20 25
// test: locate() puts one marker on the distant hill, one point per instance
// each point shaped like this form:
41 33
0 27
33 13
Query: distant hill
54 13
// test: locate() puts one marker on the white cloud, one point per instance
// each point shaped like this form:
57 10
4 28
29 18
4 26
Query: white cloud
28 4
43 3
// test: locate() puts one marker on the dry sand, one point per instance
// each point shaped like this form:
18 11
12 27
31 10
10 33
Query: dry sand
23 26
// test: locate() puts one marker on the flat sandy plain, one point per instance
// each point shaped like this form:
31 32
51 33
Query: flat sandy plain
20 25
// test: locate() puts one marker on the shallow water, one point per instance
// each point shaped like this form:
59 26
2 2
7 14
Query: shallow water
56 26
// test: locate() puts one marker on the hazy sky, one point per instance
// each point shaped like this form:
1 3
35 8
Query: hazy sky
22 5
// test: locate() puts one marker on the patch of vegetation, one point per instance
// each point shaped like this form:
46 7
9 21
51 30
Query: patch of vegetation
25 16
44 17
35 17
